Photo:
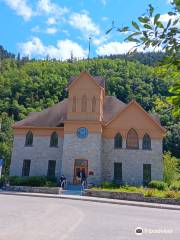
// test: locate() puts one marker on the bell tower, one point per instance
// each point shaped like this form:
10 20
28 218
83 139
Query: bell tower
86 97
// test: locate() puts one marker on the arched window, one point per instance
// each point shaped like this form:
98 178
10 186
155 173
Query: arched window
118 141
84 104
146 144
132 141
74 104
54 140
93 104
29 139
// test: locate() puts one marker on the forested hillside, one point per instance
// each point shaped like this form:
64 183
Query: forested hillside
29 85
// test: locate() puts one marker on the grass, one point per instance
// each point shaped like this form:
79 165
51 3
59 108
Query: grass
148 192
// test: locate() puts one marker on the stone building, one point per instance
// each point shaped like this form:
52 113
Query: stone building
92 133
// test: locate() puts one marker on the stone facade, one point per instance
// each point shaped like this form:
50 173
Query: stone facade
39 154
132 161
89 148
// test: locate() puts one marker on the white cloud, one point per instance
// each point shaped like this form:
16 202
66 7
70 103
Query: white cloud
21 8
104 2
36 29
48 7
104 18
114 48
51 30
51 21
165 17
84 23
62 51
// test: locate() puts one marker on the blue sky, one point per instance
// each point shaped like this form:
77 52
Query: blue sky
58 28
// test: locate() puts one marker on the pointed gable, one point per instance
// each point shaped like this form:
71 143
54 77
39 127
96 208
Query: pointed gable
134 116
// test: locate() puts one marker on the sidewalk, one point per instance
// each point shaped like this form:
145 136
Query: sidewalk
94 199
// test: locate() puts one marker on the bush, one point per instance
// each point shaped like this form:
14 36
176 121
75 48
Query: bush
34 181
170 167
175 186
170 194
158 185
109 185
149 193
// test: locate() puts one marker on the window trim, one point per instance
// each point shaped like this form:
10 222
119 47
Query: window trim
48 175
52 145
23 168
129 147
117 135
146 149
26 139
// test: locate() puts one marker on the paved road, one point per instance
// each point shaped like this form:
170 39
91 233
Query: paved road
30 218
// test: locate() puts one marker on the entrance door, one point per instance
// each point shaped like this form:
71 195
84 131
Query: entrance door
146 173
80 165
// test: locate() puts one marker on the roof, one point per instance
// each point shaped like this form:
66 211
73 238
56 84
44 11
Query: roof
99 80
50 117
57 114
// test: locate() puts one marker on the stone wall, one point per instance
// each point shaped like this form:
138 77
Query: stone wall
88 148
130 197
48 190
39 154
132 161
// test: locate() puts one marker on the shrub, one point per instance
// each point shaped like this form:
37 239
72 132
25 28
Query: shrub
160 185
149 193
170 194
109 185
175 186
34 181
170 167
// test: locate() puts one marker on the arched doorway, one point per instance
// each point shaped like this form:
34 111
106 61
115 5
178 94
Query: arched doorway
80 165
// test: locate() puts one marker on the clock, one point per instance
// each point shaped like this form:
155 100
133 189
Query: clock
82 132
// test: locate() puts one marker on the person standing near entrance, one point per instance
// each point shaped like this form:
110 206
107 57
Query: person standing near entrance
83 179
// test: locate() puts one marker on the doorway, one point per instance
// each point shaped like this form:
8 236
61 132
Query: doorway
80 165
146 174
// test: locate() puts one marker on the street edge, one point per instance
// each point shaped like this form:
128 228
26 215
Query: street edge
93 199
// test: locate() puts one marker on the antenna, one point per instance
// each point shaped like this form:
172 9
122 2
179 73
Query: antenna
89 48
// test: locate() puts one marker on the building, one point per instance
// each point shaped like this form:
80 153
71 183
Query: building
91 132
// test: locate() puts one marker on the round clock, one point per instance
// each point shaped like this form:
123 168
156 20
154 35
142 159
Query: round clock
82 132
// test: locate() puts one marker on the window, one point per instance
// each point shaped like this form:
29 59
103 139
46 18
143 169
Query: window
117 172
26 168
84 104
51 168
74 104
29 139
54 140
94 104
146 173
146 144
132 141
118 141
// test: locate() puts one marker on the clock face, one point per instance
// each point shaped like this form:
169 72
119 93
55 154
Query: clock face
82 132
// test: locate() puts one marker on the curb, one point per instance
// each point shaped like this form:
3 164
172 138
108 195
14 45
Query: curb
95 199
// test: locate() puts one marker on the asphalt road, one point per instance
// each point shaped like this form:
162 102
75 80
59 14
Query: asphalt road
30 218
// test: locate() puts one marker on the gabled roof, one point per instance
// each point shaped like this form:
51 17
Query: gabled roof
150 116
57 114
100 81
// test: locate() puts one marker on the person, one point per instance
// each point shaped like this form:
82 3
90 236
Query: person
83 179
62 181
